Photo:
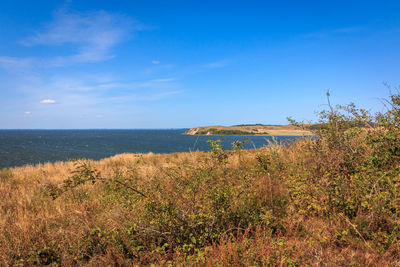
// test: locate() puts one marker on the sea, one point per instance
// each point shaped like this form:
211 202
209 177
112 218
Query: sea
21 147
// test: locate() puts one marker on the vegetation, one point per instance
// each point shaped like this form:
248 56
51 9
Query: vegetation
331 200
252 129
213 131
255 124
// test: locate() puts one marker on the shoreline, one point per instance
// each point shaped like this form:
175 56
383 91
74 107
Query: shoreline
250 130
291 135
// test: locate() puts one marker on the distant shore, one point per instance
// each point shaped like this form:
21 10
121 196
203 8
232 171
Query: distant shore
250 129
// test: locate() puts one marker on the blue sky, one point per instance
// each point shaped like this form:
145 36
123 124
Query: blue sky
179 64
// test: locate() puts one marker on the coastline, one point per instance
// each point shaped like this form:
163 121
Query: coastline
249 130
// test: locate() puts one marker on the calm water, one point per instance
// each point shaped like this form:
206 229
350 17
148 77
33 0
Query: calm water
19 147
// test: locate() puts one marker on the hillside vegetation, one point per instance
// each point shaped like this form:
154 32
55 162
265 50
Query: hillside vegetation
330 200
252 129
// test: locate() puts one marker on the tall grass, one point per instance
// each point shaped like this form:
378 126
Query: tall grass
330 200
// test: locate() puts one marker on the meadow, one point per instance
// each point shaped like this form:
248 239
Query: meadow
329 200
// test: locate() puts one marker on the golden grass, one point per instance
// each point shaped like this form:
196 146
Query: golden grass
31 220
268 206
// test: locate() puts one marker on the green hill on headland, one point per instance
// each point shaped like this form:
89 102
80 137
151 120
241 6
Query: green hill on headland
252 129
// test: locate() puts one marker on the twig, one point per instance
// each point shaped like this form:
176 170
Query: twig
355 229
123 184
150 229
131 188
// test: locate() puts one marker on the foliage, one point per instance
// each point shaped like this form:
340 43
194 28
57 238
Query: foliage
213 131
217 150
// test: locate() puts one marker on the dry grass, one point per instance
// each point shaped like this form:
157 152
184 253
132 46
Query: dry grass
332 200
31 221
88 224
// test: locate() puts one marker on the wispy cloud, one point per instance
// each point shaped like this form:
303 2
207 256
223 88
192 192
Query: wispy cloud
12 63
333 32
92 34
157 96
81 92
161 83
48 101
163 80
348 29
85 84
165 94
143 97
217 64
82 38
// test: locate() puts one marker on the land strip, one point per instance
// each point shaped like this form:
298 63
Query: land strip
251 129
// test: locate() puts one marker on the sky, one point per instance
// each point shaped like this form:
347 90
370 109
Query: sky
129 64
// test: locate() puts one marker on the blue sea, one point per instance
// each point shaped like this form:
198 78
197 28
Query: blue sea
20 147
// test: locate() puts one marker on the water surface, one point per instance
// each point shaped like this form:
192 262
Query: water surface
20 147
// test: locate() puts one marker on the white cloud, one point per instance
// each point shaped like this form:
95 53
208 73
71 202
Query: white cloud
148 97
348 30
110 85
164 80
48 101
217 64
163 95
162 83
333 32
12 63
93 34
28 113
155 62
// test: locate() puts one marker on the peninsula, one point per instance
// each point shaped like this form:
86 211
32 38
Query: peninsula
251 129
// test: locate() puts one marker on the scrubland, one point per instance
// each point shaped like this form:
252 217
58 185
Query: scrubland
329 200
